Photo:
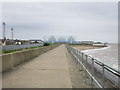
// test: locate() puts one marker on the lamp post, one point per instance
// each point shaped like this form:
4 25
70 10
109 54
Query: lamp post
4 37
3 30
12 33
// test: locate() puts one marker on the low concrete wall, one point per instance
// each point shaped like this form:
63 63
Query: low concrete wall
11 60
6 62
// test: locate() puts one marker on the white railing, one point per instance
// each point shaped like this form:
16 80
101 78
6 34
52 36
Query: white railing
17 47
92 66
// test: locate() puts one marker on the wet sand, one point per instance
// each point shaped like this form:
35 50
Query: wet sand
85 47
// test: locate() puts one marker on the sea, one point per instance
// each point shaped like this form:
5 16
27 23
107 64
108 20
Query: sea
107 55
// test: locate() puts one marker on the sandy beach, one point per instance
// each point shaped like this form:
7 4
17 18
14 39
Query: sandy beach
85 47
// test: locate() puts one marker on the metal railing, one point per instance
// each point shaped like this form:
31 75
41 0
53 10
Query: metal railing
100 74
17 47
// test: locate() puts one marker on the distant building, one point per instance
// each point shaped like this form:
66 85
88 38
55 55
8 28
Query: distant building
6 42
70 39
33 41
52 39
100 45
97 42
9 42
61 39
86 42
20 42
0 41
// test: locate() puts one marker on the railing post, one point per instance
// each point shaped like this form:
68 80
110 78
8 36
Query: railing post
103 72
92 73
86 57
93 66
94 62
119 82
82 55
80 60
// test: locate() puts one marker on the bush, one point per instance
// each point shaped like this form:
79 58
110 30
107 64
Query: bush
46 44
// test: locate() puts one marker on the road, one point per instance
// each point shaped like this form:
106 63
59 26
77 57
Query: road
49 70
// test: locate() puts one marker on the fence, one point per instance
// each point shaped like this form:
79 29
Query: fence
100 74
17 47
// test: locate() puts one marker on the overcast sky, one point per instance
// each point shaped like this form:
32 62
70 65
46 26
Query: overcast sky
85 21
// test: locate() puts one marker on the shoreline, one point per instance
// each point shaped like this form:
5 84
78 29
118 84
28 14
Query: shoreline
87 47
96 49
109 78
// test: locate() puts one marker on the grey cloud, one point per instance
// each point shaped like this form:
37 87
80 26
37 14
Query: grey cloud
86 21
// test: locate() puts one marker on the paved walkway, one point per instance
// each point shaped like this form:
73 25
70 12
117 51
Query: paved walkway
49 70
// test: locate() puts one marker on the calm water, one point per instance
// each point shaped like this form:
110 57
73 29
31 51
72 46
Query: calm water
107 55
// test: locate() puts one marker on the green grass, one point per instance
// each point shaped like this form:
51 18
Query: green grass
12 51
3 52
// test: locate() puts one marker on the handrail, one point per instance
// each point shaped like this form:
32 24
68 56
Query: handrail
76 52
116 72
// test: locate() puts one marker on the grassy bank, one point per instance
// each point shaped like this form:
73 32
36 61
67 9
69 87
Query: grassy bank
12 51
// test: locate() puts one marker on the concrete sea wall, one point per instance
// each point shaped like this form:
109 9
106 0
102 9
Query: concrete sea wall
11 60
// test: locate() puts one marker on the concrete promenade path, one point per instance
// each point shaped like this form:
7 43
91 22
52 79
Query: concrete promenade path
49 70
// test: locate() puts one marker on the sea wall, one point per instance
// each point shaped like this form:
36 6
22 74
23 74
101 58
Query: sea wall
11 60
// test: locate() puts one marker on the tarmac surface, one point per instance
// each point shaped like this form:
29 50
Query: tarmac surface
56 68
49 70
